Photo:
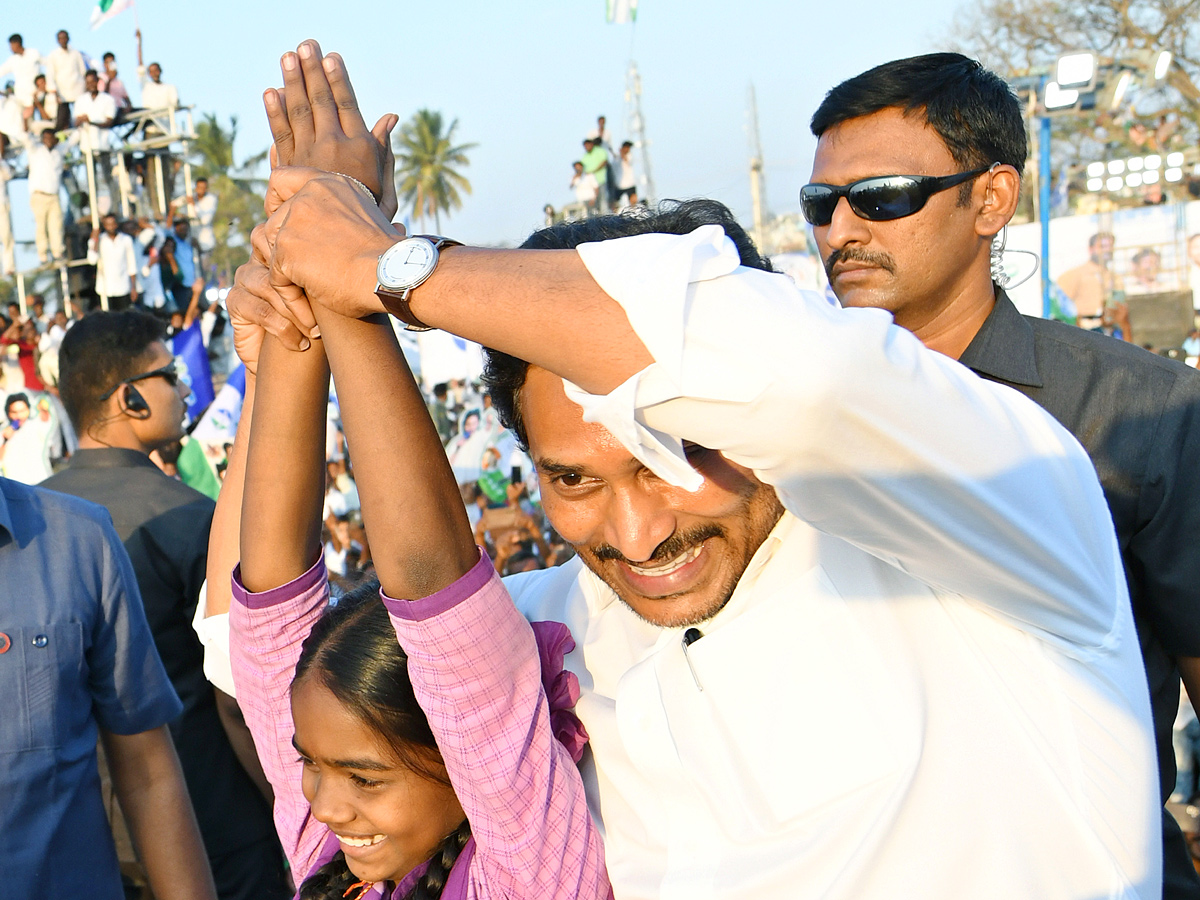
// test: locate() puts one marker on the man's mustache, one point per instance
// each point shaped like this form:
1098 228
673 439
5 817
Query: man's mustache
668 549
861 255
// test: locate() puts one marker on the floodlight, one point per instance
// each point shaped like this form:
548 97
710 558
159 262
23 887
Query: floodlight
1115 183
1056 97
1175 160
1153 161
1095 184
1150 176
1077 70
1134 179
1162 65
1173 174
1116 167
1136 164
1120 89
1095 170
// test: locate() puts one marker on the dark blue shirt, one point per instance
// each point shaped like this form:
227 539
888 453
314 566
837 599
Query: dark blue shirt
77 655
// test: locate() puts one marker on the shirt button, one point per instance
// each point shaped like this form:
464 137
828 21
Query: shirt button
40 641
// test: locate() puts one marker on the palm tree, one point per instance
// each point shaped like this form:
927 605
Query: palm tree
427 161
237 189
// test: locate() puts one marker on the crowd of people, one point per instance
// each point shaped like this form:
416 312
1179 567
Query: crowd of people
628 617
604 180
66 109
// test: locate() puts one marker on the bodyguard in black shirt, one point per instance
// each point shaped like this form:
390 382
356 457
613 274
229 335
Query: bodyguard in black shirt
119 385
918 166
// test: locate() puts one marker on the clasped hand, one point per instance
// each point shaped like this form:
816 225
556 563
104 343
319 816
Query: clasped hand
323 234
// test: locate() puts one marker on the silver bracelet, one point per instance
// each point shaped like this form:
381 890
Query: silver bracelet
362 187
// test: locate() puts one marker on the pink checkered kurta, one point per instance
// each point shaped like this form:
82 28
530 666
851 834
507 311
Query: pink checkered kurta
475 668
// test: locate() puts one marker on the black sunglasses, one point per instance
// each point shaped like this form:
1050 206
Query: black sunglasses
170 372
879 199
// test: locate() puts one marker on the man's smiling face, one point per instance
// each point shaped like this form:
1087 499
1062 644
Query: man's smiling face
673 556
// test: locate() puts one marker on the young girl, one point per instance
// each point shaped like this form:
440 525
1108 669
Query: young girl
415 752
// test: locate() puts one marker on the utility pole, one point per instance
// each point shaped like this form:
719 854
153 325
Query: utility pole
637 130
757 188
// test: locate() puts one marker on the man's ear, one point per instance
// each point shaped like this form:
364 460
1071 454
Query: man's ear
1001 190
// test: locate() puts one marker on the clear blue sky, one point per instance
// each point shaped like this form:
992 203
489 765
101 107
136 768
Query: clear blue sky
526 79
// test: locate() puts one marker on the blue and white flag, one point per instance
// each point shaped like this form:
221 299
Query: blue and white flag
220 422
192 360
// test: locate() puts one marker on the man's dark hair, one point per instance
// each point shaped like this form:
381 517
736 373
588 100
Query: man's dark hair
504 375
99 352
16 39
972 109
109 55
200 179
93 73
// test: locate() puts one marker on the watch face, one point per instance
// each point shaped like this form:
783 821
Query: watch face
407 264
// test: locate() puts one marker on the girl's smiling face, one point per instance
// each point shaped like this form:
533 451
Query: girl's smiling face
388 818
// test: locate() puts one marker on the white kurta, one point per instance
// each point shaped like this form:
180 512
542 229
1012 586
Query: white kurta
926 684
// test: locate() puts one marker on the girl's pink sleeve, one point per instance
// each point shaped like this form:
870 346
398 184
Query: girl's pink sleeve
475 668
265 634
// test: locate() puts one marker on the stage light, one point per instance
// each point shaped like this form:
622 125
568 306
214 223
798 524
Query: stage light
1056 97
1075 70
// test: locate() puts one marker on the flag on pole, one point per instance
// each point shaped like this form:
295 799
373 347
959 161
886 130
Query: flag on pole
106 9
622 12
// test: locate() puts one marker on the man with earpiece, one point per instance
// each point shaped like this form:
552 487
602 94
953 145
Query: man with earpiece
917 169
118 382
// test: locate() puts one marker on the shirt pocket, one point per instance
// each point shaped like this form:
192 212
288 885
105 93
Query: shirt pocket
40 674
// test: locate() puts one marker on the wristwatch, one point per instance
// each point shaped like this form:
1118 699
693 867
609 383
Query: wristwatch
402 268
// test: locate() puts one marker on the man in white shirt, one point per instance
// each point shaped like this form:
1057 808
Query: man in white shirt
65 69
95 112
111 251
585 187
204 211
155 94
798 529
94 115
45 182
12 121
23 66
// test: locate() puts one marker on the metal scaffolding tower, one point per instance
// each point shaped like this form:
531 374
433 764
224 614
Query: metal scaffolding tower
637 129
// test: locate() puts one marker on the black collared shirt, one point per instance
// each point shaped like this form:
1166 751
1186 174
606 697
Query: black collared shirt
1138 417
164 526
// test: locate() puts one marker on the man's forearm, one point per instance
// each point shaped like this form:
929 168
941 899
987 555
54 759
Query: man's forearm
154 798
541 306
